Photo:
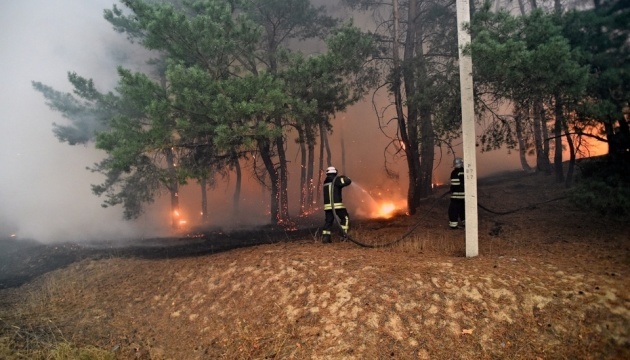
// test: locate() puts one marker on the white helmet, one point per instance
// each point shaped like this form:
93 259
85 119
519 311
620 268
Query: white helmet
331 170
458 162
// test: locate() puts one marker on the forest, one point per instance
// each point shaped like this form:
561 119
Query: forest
229 85
223 93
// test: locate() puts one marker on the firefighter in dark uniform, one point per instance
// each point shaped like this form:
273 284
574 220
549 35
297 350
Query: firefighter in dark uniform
332 197
456 209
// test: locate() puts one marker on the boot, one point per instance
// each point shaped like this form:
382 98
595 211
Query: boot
326 239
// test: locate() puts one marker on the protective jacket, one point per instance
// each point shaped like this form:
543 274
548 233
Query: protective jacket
457 183
456 209
332 191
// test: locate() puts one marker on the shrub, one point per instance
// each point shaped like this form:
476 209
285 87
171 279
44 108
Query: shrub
604 186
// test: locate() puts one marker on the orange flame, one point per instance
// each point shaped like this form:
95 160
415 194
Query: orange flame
180 221
380 203
386 210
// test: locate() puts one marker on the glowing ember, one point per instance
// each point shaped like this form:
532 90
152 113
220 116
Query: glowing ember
288 225
195 235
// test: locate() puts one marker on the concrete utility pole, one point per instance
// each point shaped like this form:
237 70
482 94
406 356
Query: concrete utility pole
468 130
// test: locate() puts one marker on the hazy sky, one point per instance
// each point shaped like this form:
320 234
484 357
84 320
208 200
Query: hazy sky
44 187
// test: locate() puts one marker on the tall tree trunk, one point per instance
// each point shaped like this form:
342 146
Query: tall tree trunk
409 143
303 182
545 134
542 159
236 199
534 4
412 193
343 151
522 144
557 129
173 184
283 180
322 141
204 200
557 6
427 154
311 199
417 118
327 147
265 154
569 179
173 188
400 115
426 136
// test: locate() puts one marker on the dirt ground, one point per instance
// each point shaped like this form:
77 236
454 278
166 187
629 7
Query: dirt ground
550 282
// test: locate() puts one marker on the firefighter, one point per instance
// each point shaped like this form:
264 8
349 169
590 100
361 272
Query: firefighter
332 197
456 209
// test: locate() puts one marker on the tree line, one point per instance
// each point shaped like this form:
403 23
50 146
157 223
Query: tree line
228 88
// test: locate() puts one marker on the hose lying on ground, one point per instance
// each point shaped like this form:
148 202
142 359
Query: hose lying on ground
401 238
415 226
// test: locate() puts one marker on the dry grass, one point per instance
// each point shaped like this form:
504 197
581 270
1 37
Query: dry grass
549 283
44 342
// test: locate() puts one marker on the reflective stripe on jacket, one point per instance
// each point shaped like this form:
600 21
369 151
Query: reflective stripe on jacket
332 191
457 184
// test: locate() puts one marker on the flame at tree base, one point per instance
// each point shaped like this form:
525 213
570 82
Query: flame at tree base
387 209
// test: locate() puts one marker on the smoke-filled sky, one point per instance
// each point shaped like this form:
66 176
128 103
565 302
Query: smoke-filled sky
44 185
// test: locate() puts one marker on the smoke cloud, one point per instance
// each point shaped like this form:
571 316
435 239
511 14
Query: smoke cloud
44 185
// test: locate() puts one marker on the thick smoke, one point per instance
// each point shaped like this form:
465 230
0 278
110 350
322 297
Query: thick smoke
44 185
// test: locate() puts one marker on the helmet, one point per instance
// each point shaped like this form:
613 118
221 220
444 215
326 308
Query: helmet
331 170
458 162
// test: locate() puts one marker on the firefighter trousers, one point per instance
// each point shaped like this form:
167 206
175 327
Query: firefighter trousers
456 212
344 220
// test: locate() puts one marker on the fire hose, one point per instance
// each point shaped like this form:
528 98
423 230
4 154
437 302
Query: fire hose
401 238
415 226
528 207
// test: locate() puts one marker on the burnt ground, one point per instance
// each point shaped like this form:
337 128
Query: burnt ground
23 260
550 282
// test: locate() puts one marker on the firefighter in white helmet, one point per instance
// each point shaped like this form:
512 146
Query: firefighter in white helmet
332 197
456 208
